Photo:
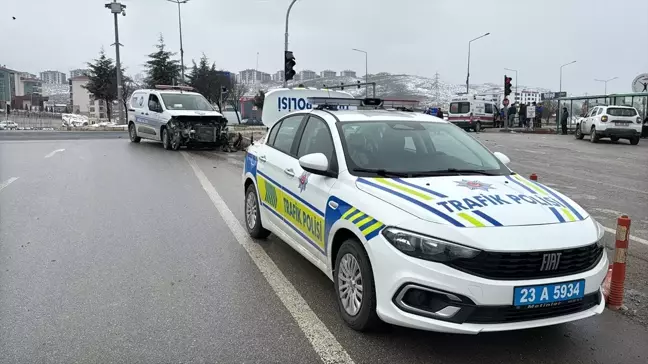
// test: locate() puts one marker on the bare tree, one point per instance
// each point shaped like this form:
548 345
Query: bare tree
233 96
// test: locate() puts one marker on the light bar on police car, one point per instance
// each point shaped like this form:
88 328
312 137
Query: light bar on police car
335 101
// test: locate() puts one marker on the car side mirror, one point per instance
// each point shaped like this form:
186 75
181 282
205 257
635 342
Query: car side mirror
502 158
316 163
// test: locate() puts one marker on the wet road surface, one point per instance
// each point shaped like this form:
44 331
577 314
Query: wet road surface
117 252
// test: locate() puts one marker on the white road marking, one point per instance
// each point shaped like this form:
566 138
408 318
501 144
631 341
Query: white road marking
632 237
321 339
54 152
7 182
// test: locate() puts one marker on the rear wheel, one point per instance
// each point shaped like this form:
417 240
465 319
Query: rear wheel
614 139
593 137
579 133
253 215
132 133
354 287
634 141
477 127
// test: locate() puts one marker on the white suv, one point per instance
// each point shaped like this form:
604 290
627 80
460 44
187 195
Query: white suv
614 122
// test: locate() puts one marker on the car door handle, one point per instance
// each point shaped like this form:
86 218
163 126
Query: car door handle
262 158
290 172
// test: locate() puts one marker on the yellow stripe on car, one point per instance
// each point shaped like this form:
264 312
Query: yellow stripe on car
349 212
568 213
405 189
372 228
471 219
357 216
363 221
530 185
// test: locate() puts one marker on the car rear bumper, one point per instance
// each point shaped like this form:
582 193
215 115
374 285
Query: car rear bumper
619 132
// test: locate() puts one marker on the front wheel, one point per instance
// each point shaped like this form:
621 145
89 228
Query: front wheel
579 133
166 143
253 215
477 127
132 133
354 285
634 141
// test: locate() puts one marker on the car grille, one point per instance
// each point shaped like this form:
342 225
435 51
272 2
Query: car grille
514 266
205 134
505 314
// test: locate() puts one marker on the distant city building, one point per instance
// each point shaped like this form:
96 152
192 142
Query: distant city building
348 73
278 76
7 86
306 75
83 102
328 73
250 76
26 84
527 96
78 72
53 77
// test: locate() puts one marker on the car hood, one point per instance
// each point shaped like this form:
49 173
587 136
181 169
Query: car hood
475 201
193 113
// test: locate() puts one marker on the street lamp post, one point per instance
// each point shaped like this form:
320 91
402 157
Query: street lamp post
285 83
182 70
516 82
605 82
468 73
116 8
561 67
366 70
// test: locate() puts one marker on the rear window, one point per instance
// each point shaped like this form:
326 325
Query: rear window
459 108
621 111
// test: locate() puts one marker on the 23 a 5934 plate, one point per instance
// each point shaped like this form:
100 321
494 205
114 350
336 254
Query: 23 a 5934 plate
547 294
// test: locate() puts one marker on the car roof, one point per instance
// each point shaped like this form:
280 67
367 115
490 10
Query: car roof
621 106
170 91
378 115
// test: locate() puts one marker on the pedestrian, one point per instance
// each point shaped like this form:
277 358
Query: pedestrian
511 115
522 115
502 117
439 113
563 121
539 111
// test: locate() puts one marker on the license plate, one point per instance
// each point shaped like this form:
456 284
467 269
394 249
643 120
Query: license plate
548 294
621 124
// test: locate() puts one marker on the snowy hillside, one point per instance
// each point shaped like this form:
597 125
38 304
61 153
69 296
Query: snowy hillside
389 85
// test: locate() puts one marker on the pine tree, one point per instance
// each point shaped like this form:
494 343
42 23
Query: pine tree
161 69
102 84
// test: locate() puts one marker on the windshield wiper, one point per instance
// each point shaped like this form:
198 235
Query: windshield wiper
453 171
382 172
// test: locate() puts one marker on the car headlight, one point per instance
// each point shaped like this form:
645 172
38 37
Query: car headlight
600 232
426 247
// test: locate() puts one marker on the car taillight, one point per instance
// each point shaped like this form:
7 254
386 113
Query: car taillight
604 118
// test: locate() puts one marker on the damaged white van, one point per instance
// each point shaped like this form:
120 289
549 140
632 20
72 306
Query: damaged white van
177 117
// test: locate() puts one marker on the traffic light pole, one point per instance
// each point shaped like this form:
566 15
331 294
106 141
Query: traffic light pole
341 87
285 82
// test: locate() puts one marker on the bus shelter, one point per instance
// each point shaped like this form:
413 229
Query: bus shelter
579 106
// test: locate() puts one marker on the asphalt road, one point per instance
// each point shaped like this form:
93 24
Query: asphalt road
120 252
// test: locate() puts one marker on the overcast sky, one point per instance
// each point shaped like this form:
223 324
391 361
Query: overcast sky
606 38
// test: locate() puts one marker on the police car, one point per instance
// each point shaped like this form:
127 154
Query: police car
415 222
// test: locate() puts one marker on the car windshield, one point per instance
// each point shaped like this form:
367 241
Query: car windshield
459 107
178 101
621 111
414 149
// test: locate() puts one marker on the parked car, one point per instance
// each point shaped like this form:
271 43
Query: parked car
4 125
614 122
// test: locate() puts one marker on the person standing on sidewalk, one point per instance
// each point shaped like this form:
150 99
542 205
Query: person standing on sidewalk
522 115
511 115
563 121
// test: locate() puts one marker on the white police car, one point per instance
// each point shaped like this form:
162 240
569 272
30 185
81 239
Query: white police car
417 223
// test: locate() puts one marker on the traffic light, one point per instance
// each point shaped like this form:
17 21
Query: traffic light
358 84
507 85
289 72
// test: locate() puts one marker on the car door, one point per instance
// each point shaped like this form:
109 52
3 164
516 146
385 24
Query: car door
588 121
274 171
312 191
